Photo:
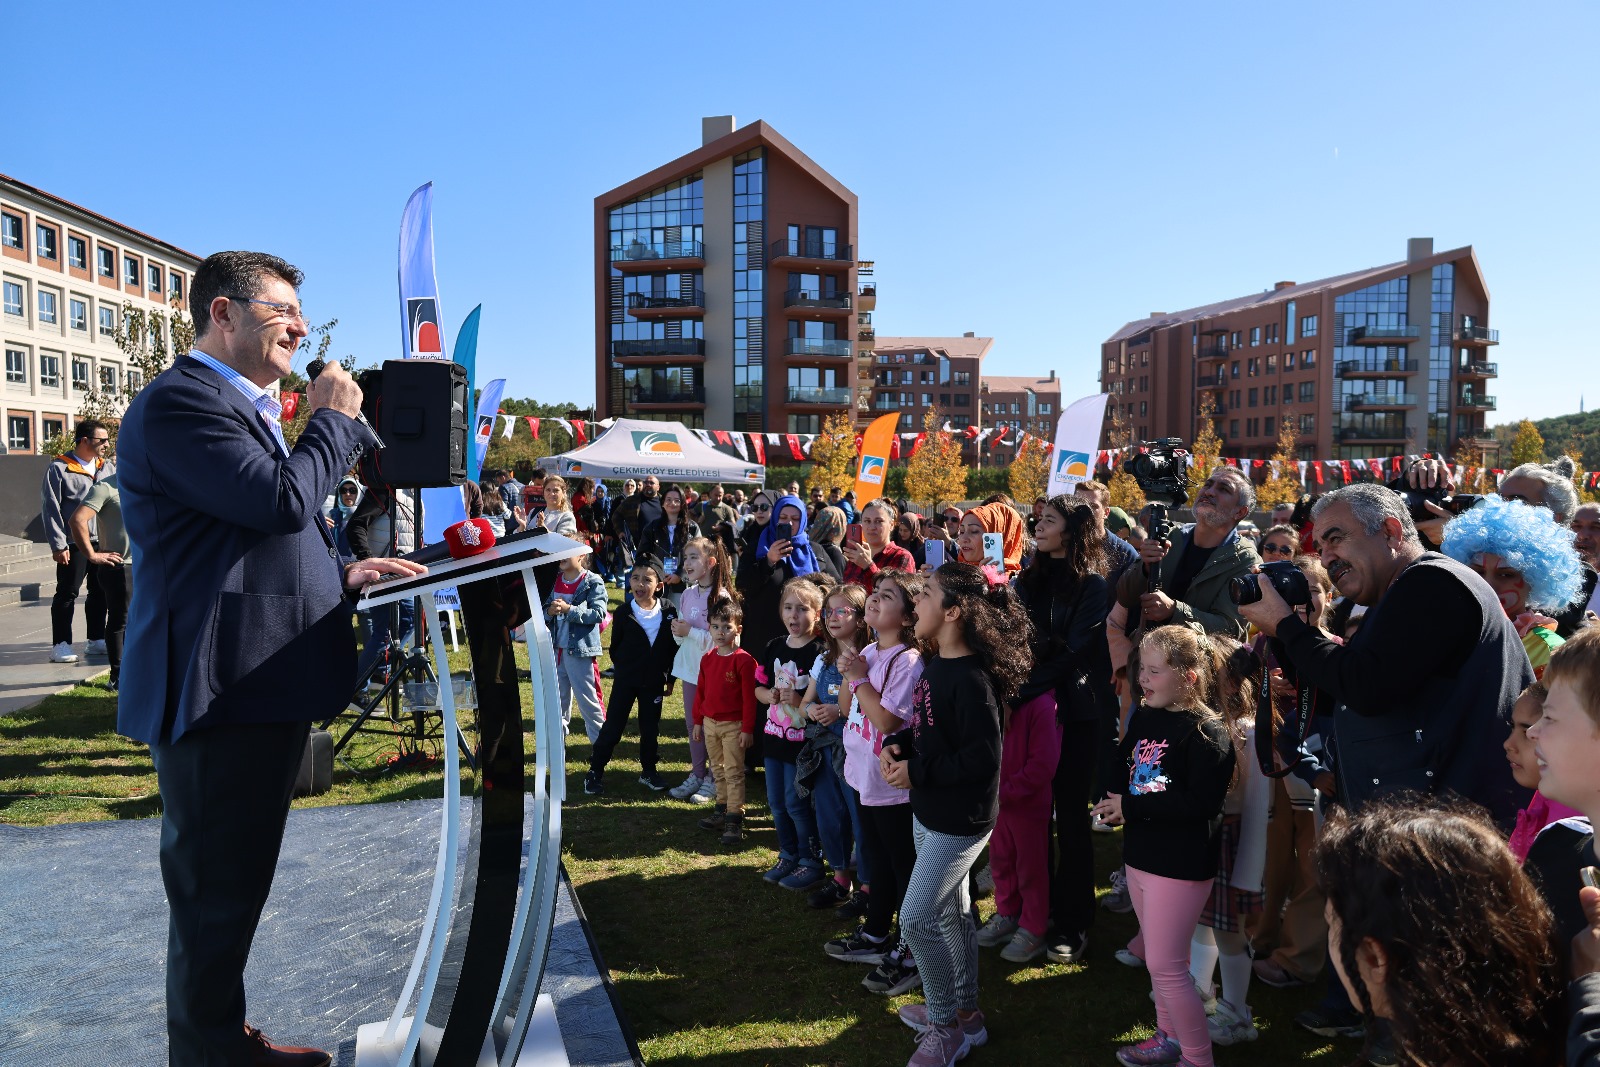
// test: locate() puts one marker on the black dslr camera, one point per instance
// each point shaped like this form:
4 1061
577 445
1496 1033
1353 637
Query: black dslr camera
1286 578
1162 471
1417 500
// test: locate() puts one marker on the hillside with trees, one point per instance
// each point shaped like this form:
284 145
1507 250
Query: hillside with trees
1577 435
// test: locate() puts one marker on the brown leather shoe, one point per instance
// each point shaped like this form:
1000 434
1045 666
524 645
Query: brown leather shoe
264 1053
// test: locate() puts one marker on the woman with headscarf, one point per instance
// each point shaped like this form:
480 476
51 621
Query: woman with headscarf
774 560
993 518
908 535
826 533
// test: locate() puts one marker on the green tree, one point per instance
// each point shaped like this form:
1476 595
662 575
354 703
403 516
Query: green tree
148 340
936 475
1528 444
833 455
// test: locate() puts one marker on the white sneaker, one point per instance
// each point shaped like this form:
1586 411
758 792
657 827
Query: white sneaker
63 653
95 648
707 793
686 789
1231 1025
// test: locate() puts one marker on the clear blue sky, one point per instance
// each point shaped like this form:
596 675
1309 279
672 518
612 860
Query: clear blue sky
1040 173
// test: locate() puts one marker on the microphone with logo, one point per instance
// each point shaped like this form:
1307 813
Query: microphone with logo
316 367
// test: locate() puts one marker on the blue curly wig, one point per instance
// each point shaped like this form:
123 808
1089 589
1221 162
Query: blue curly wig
1528 539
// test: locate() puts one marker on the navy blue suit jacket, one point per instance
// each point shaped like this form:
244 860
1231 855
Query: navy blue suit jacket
238 613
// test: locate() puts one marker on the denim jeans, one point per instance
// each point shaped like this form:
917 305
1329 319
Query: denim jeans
375 633
791 816
838 815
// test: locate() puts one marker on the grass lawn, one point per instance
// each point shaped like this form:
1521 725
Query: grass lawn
712 965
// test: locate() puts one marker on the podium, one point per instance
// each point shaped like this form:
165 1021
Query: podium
480 958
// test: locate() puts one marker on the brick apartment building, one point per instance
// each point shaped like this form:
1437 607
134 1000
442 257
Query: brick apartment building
1030 405
1391 359
912 374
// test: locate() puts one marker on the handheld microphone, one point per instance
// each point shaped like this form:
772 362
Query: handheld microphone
461 540
314 368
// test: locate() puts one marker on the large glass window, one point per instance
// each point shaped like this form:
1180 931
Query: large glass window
19 433
16 366
78 314
130 270
1381 306
749 313
46 238
80 375
106 261
1288 324
10 230
77 252
13 298
49 370
47 306
108 322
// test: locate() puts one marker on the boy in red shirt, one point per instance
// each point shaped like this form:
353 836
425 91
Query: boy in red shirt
725 717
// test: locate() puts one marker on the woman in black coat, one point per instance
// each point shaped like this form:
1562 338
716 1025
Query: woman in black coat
1068 598
668 536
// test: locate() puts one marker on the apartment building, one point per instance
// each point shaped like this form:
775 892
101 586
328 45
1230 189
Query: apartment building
912 374
726 291
1018 405
1389 359
65 273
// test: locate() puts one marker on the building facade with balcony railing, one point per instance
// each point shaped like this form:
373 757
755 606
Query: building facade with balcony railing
1359 362
727 288
911 375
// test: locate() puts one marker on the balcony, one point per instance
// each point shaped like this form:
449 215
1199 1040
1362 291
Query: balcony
1475 403
1394 434
832 398
1220 409
1211 381
1383 335
811 349
1374 401
675 350
645 306
1478 369
1212 351
645 398
1477 335
1376 368
867 296
817 301
662 255
801 252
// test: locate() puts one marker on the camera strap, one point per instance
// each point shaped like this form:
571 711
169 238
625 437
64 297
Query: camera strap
1305 709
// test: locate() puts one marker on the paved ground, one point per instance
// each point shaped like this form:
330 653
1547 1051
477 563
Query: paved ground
26 674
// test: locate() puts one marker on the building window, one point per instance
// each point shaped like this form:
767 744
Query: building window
927 400
1272 333
19 433
905 421
1308 358
963 400
16 366
154 274
11 230
108 322
77 252
47 306
135 381
1272 364
1235 368
13 298
1044 409
1308 392
130 270
1255 336
1288 361
1144 407
53 428
108 379
961 377
80 375
1252 398
45 240
78 314
1308 326
175 285
1308 425
1233 427
1269 425
1233 339
106 260
1252 428
49 371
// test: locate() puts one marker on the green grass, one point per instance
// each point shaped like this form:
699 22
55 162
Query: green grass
712 965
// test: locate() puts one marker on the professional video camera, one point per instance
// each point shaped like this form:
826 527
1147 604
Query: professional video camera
1286 578
1162 470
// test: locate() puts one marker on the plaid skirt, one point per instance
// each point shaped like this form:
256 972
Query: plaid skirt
1227 906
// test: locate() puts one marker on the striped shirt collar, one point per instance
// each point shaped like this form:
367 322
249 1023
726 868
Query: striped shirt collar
263 401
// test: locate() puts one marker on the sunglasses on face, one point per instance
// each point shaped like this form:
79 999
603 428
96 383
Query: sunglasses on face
1278 549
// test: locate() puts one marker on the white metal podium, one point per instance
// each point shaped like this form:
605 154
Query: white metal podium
479 962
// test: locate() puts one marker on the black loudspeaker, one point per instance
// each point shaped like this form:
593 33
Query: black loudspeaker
419 408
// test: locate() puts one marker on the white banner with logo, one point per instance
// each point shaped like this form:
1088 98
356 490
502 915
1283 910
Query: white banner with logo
1077 443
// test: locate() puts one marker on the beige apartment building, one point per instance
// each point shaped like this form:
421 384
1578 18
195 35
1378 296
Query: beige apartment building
65 272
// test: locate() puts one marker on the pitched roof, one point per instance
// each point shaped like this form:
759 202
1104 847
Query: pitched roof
1002 383
1351 280
950 346
755 134
62 202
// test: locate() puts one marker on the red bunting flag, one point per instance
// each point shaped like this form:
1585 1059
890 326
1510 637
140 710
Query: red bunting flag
1394 467
1316 465
533 424
290 403
760 448
970 433
1256 465
999 437
577 432
722 437
921 437
1344 465
795 450
894 447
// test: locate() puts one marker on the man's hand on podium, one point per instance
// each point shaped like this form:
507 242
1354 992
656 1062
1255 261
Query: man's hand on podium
363 571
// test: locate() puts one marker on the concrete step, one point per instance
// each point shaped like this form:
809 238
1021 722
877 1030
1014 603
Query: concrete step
15 594
15 549
11 570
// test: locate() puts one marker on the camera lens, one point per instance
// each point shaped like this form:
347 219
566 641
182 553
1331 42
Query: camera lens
1245 589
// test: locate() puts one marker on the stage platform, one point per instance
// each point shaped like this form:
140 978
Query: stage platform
82 959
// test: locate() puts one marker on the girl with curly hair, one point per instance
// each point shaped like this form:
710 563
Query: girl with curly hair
1435 927
975 641
1527 559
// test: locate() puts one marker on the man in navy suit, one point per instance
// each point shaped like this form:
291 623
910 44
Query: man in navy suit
239 633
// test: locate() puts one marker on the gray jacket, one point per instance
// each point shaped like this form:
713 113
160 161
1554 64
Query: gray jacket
66 483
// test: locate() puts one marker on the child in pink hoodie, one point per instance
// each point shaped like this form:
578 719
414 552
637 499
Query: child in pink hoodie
1019 850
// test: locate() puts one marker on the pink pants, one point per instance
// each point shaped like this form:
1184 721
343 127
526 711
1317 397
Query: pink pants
1168 909
1019 855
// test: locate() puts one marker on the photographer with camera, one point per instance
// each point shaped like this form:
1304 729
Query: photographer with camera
1425 685
1186 581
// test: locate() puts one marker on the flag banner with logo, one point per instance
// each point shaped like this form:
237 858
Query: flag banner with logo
488 405
872 468
1077 442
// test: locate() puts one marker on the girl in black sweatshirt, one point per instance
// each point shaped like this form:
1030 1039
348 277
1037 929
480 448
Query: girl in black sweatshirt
975 640
1181 761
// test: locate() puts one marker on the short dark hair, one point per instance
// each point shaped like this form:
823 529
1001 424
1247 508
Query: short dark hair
234 274
86 428
728 611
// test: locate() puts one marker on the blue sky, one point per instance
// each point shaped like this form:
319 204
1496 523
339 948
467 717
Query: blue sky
1040 173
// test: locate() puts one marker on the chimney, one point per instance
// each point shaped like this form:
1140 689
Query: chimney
1052 376
969 333
1282 285
715 126
1418 248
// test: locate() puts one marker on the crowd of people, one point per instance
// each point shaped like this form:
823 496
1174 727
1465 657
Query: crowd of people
1357 788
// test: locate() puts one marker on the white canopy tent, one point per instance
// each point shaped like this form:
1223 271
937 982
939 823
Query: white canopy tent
671 451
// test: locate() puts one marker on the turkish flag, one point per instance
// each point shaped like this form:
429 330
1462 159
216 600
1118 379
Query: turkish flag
794 446
1344 464
971 433
577 432
1394 467
722 437
999 438
533 424
894 447
1257 464
291 404
1317 466
760 448
916 444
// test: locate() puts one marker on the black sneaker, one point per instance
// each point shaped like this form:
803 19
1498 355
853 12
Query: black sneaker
857 948
831 895
895 975
1326 1023
592 784
653 781
855 907
1061 948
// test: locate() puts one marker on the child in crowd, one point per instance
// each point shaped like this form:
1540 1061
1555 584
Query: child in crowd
882 679
1566 745
820 765
641 651
708 583
1236 892
949 759
1181 762
725 718
782 680
575 608
1435 929
1541 810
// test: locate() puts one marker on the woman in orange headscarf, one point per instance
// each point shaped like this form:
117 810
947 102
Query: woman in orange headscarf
993 518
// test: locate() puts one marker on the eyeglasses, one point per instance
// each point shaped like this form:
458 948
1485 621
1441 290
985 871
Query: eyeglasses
99 440
286 311
761 507
347 492
1283 550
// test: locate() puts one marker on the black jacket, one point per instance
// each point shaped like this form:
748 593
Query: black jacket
653 539
953 746
1070 654
633 654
